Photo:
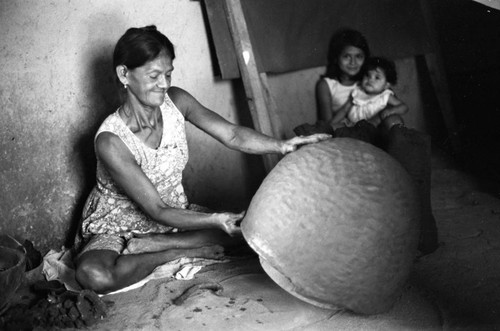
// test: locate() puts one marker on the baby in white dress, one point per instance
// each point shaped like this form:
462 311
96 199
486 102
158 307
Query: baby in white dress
373 100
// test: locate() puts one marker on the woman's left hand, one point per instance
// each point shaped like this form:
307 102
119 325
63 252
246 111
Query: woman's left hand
291 145
230 222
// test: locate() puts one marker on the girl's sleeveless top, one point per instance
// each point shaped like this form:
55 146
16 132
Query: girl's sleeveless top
340 93
108 210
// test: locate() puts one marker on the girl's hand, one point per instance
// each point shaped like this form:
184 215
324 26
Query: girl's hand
230 223
291 145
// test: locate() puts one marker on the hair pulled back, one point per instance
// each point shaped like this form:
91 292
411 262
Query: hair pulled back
341 39
140 45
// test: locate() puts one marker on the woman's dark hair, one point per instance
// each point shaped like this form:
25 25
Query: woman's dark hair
140 45
341 39
386 65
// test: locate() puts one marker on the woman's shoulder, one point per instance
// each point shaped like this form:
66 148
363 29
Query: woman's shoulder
179 97
107 140
175 92
110 123
112 126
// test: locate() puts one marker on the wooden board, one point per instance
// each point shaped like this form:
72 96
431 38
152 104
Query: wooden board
255 92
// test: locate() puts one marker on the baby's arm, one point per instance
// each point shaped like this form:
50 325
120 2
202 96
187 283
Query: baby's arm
394 107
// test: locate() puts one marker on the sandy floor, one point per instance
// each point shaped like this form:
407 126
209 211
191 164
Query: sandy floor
461 278
455 288
464 273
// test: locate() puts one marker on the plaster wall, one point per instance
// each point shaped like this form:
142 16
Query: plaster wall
58 85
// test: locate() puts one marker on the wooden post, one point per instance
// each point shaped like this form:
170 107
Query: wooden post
257 100
271 107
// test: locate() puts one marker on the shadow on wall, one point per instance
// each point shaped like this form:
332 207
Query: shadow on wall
433 117
204 189
469 36
103 97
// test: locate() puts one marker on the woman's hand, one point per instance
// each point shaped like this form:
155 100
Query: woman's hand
236 137
291 145
230 223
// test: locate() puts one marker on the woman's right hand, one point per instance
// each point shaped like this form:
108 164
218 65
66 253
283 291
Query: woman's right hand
292 144
230 223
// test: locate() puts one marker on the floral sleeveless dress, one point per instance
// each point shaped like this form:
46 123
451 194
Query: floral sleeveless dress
108 210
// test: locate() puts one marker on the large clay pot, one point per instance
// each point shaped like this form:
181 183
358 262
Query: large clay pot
336 224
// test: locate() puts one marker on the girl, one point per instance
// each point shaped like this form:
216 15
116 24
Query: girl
368 100
346 55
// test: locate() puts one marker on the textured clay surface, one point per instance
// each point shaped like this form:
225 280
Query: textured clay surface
337 225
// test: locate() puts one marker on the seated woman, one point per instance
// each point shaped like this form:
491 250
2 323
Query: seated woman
138 217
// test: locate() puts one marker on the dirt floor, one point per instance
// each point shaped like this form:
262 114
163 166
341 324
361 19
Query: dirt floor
457 286
464 273
454 288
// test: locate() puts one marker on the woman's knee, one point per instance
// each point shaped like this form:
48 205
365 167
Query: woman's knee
94 271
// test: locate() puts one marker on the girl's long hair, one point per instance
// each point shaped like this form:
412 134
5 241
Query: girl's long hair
341 39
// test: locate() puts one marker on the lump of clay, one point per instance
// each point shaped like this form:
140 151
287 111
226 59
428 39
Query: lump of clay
336 224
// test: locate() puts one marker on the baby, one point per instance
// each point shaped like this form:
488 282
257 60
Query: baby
373 100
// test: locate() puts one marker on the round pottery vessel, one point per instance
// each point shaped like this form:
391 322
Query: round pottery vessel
336 224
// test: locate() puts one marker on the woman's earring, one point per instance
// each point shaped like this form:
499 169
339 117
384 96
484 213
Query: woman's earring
125 86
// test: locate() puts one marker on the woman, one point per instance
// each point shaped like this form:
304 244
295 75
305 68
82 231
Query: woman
132 218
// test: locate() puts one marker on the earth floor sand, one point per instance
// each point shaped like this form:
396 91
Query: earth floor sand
461 278
454 288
